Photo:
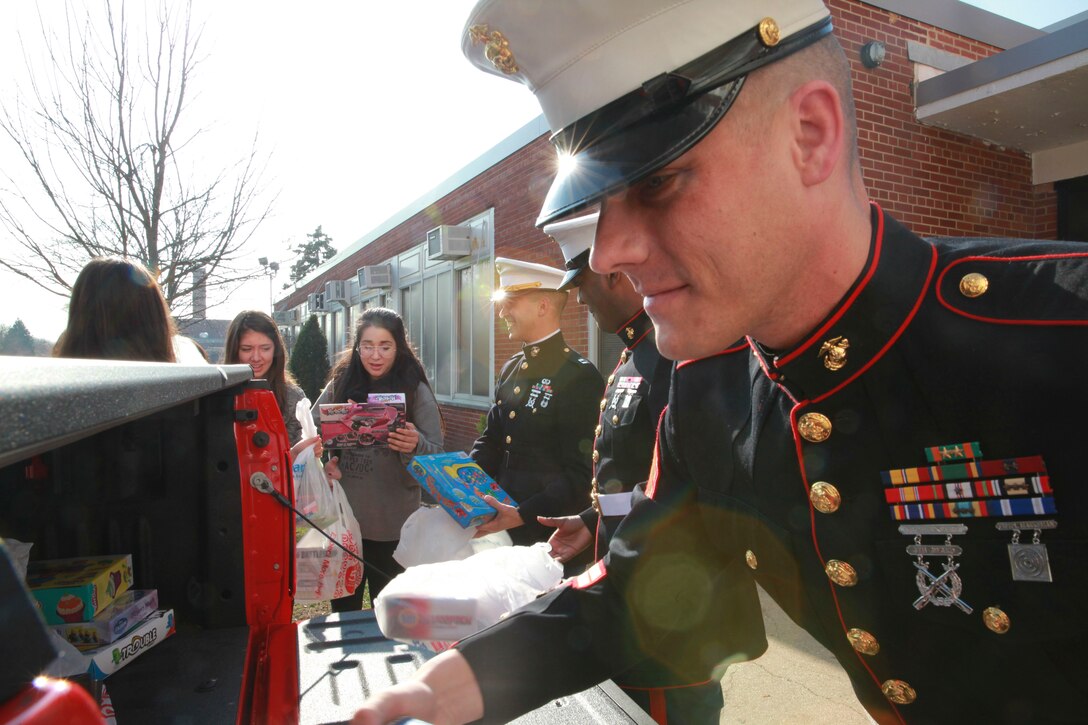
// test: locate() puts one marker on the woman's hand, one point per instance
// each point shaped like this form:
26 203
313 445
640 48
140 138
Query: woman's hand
404 440
302 445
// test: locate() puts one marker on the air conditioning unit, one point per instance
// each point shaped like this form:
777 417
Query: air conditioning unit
316 302
449 242
285 317
377 276
336 290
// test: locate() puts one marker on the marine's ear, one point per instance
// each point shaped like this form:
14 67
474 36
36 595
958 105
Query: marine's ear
818 131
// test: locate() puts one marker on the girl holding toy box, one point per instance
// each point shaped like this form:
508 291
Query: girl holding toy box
375 478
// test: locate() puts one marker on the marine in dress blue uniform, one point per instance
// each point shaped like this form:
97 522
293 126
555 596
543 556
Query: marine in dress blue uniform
636 393
902 473
538 438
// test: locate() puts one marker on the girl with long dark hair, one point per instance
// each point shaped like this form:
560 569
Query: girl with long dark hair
117 312
375 478
254 339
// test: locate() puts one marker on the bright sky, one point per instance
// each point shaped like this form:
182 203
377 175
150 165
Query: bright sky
364 107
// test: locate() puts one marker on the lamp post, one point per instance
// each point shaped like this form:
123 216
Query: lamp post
270 268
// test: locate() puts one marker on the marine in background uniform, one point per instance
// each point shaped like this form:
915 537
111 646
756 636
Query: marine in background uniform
637 392
539 434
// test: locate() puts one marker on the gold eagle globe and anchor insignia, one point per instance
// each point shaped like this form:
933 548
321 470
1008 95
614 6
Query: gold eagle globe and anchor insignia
496 48
769 33
833 353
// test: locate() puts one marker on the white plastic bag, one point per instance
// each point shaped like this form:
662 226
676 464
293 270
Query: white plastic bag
323 570
313 495
430 535
448 601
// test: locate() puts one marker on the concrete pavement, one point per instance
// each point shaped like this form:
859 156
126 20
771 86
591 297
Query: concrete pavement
796 681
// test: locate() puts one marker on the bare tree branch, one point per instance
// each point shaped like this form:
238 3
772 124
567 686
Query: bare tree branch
104 134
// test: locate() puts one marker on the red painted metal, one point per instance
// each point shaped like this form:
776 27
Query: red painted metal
46 701
270 690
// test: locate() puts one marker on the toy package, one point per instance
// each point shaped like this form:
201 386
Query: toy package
104 661
351 425
76 590
458 485
125 612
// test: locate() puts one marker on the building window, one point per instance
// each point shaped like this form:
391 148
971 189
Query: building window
447 309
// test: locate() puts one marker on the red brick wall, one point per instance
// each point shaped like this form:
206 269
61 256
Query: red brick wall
937 182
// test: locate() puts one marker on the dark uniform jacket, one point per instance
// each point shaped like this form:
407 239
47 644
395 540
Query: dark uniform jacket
623 447
802 465
538 439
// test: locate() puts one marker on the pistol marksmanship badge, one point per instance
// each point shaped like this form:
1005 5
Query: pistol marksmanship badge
1029 562
944 589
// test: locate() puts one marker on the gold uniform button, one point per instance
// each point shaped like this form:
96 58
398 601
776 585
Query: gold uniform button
814 427
611 379
751 560
508 439
996 620
825 498
513 414
525 366
862 641
517 390
604 403
769 32
974 285
596 456
597 430
593 483
615 420
898 692
624 355
566 349
841 573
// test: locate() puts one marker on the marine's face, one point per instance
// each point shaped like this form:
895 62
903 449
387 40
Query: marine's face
518 311
257 350
594 294
698 241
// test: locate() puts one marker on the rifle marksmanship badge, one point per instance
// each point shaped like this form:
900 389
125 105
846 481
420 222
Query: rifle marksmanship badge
943 589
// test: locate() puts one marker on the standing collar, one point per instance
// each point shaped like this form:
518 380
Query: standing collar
553 343
865 323
635 330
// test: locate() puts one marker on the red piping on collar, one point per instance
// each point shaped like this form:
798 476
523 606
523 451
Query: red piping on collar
818 335
1049 323
727 351
634 317
630 319
893 339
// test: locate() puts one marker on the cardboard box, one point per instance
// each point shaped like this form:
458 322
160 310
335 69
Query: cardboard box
458 485
104 661
126 610
354 425
76 590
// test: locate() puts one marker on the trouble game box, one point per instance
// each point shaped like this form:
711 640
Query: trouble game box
351 425
76 590
458 485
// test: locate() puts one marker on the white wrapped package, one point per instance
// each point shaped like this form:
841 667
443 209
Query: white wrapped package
448 601
430 535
